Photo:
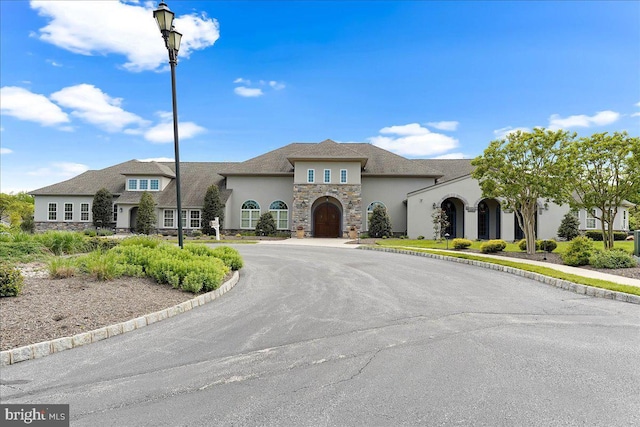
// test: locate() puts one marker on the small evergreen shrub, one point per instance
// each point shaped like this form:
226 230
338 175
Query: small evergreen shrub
229 256
612 259
379 223
459 243
578 252
569 227
11 280
596 235
547 245
493 246
266 225
420 237
522 244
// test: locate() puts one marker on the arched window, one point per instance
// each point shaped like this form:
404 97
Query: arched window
370 209
280 212
250 214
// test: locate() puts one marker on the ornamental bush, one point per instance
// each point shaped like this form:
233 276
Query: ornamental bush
11 280
569 227
493 246
459 243
547 245
615 258
266 225
379 223
578 252
522 244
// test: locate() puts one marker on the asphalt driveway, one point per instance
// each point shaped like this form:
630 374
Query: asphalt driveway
327 336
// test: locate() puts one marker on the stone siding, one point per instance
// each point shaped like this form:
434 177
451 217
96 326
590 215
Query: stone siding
304 196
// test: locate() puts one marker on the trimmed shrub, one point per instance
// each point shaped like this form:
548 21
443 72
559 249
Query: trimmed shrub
146 241
459 243
146 219
522 244
596 235
11 280
612 259
420 237
547 245
379 223
229 256
493 246
569 227
266 225
578 252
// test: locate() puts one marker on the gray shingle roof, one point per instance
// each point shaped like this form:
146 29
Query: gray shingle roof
448 168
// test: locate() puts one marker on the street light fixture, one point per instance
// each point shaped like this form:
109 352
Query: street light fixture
164 18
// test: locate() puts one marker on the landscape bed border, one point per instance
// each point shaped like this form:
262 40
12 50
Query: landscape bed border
45 348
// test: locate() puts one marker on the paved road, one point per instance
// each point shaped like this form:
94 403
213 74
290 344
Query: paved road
325 336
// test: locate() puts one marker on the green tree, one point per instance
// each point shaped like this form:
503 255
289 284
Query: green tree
604 173
212 208
266 225
146 219
102 208
522 168
16 207
570 226
379 222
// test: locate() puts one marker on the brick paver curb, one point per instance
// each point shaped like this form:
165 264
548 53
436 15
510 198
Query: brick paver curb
558 283
45 348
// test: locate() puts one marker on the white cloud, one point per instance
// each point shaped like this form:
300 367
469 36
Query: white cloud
60 169
96 107
25 105
638 104
601 118
452 156
5 151
635 115
163 132
248 92
503 132
413 140
242 81
444 125
89 28
276 85
53 63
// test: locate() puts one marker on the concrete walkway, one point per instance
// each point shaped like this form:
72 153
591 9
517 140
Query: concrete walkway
343 243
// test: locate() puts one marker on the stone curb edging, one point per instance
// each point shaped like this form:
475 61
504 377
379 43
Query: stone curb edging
558 283
45 348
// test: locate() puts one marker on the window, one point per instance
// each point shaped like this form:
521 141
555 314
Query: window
624 219
154 184
370 210
144 184
591 220
194 219
183 217
280 212
115 213
132 184
327 176
250 214
343 176
68 211
168 218
53 211
311 176
84 211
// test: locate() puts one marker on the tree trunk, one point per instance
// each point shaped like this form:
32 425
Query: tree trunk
526 220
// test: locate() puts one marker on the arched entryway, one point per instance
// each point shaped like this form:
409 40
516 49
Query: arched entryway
133 216
454 209
488 219
327 218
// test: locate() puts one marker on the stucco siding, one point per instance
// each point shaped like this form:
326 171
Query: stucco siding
301 169
263 190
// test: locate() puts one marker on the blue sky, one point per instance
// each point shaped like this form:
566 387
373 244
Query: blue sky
85 85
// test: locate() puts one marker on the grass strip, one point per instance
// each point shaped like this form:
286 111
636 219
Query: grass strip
556 274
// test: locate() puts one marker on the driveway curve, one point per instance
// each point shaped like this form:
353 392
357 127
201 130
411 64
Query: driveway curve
326 336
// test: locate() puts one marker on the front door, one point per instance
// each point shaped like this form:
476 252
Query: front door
326 221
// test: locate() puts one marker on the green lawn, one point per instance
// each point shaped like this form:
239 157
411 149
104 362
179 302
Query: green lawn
511 247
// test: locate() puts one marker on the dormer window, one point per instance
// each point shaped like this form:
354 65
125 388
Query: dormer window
155 184
132 184
143 184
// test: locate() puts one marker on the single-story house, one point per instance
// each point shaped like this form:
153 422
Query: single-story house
325 188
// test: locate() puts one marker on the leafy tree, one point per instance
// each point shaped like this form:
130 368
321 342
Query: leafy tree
570 226
379 223
102 208
146 219
212 208
522 168
440 222
605 171
16 207
266 225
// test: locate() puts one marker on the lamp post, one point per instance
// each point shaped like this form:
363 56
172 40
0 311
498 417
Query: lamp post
164 18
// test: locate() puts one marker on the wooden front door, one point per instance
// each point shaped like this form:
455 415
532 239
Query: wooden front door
326 221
